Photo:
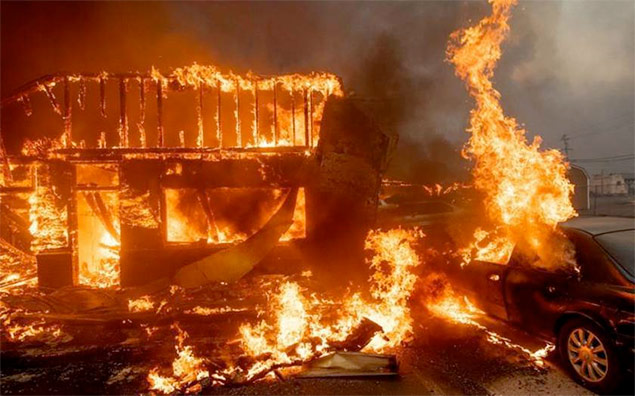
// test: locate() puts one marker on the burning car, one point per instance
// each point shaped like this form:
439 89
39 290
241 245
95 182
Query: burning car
588 314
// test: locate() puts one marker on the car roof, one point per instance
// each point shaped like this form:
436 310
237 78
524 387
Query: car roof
596 225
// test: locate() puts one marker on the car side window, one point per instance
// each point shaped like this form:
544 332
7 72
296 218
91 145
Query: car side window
519 259
531 261
589 257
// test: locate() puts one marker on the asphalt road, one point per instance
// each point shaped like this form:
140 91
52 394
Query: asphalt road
442 359
619 205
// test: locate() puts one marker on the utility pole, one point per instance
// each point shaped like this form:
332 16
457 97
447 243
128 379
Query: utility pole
565 140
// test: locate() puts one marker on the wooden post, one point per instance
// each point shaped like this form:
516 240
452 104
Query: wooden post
256 131
292 117
52 99
306 118
68 137
161 135
123 116
239 140
199 117
73 228
219 131
81 97
310 143
102 96
143 141
275 114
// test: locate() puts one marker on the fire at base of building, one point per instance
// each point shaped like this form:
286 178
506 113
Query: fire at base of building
211 163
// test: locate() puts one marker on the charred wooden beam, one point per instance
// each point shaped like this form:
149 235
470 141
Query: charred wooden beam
239 140
143 142
123 115
160 131
275 113
292 117
272 172
4 162
81 96
26 105
102 96
219 131
199 118
306 119
310 142
48 90
256 126
68 137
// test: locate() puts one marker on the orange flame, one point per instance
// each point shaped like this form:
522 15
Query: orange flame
526 190
141 304
16 331
47 220
300 329
186 367
442 302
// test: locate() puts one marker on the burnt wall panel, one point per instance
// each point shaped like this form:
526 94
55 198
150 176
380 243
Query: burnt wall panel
55 269
278 170
145 254
342 200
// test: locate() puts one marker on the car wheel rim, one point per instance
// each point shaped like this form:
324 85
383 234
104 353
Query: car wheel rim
587 355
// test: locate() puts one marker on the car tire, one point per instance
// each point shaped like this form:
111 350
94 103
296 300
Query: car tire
595 364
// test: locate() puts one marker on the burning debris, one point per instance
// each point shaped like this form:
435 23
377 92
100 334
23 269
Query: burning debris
303 327
351 364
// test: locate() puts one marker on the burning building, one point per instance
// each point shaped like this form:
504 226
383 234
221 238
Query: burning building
123 179
126 180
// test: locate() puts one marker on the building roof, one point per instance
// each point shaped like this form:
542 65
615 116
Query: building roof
596 225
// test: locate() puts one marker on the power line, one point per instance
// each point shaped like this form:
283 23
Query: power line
565 140
589 130
614 158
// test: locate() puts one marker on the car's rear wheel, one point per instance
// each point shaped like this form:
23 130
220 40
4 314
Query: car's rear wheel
589 355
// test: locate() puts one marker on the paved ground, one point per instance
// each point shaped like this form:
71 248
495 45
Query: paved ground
622 205
443 359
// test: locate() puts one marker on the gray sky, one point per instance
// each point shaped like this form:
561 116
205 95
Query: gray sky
568 66
579 77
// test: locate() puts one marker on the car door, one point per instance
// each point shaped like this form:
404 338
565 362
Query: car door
483 283
535 297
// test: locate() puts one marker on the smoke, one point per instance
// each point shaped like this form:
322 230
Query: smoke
568 67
